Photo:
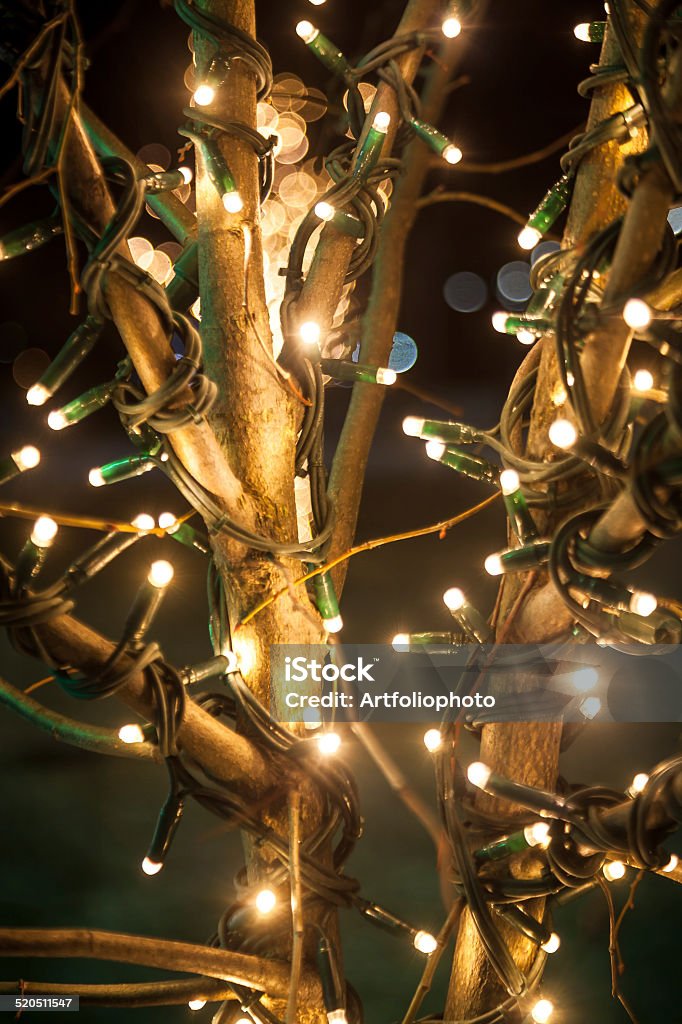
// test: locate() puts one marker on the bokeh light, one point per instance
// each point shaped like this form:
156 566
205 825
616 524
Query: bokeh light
465 292
513 284
403 353
29 365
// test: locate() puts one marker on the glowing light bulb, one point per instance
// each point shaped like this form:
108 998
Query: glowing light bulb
310 332
493 565
316 3
636 314
638 784
672 864
552 944
56 420
452 154
582 32
333 625
325 211
328 742
433 740
613 870
151 867
204 95
144 522
525 337
425 942
451 28
95 477
478 774
27 457
233 202
537 834
529 237
131 734
44 532
400 642
542 1011
584 679
187 173
509 481
434 449
412 426
454 599
333 1016
198 1004
386 376
306 31
643 380
160 573
499 322
563 434
642 603
167 521
37 395
266 901
381 121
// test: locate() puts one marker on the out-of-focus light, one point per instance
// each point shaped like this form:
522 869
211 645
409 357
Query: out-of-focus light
478 774
131 733
636 314
266 901
529 238
425 942
613 870
643 380
204 95
433 740
44 532
563 434
454 599
642 603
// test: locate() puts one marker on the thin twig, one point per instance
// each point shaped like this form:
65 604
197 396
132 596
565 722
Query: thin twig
432 962
442 196
501 166
296 903
614 952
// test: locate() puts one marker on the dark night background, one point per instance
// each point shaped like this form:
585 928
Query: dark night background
74 827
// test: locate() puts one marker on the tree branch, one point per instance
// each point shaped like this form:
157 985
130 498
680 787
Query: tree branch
269 976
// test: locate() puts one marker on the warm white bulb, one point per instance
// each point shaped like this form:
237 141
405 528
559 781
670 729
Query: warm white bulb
131 734
590 707
452 154
56 420
44 532
499 321
537 834
425 942
584 679
451 27
542 1011
310 332
643 380
96 477
333 1016
204 95
672 864
167 521
401 642
324 210
328 742
433 740
187 173
435 449
266 901
582 32
160 573
316 3
642 603
233 202
636 314
479 774
563 434
144 522
552 944
307 31
412 426
197 1004
638 784
529 237
37 395
454 599
151 867
525 337
509 481
613 870
493 565
381 121
386 376
334 624
27 457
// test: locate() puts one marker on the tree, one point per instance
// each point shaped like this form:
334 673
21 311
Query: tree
235 431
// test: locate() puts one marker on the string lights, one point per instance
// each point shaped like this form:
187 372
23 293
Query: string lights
579 835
